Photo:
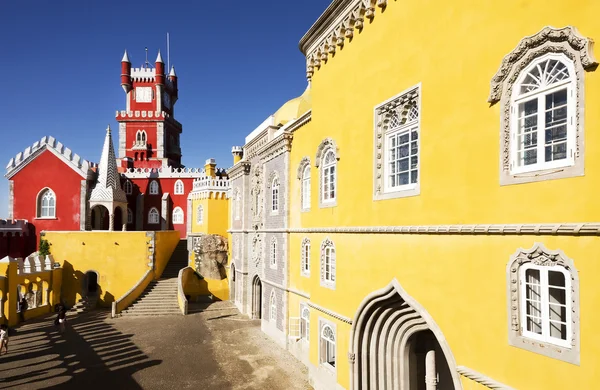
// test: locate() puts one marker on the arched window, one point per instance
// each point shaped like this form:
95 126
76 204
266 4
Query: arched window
402 150
545 284
153 187
275 195
46 204
305 324
128 187
153 216
329 178
327 350
129 216
238 205
305 255
273 252
199 215
273 306
138 136
543 107
328 264
177 216
178 187
305 194
143 136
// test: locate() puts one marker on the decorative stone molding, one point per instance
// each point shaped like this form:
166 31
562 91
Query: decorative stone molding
548 40
482 379
299 293
78 164
300 122
257 197
399 105
330 313
164 173
257 249
333 28
327 243
576 48
280 145
303 163
541 256
326 145
304 259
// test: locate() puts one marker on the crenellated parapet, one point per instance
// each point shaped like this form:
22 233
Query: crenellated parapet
143 74
334 28
34 264
14 227
124 115
164 172
79 164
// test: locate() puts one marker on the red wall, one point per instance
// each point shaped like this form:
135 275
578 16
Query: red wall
47 170
164 185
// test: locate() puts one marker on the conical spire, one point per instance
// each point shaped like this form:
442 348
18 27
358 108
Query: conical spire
108 185
159 58
125 57
172 72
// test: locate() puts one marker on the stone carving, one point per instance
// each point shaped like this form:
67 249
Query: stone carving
211 255
257 195
257 248
325 145
400 107
303 163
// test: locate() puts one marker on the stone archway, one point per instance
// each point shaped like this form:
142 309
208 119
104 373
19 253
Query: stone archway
100 217
90 285
395 344
256 298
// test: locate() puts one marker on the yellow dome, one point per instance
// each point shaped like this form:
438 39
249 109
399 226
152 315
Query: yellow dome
294 108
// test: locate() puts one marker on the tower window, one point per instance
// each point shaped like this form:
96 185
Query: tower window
153 216
46 204
153 186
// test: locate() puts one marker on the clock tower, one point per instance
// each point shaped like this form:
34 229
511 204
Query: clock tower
148 132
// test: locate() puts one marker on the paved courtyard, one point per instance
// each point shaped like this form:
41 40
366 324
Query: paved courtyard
216 348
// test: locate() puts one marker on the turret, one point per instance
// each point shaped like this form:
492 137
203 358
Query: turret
173 79
126 73
237 153
159 69
210 167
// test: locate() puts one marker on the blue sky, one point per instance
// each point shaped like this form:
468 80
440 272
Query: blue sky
237 62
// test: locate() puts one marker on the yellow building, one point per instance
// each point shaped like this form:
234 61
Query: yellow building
439 199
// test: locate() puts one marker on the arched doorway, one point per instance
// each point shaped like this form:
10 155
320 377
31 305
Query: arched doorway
256 298
100 218
90 285
232 296
395 344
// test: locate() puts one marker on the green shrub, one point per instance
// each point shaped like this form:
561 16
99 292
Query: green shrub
44 247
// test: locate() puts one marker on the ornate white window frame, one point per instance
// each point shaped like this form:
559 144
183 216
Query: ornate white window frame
178 216
153 216
275 193
154 187
323 340
272 307
199 215
273 253
326 146
128 187
328 282
578 49
179 188
39 214
518 336
305 256
398 108
305 183
304 323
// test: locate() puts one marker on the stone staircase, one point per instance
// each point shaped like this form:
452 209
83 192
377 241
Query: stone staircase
160 297
84 305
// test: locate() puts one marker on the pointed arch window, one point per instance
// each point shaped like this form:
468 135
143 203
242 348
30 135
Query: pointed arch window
153 216
128 187
273 307
275 195
328 264
273 253
46 204
129 216
177 216
153 187
199 214
327 355
179 189
305 255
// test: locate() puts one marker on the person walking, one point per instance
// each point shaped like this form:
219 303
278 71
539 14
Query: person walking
61 319
22 309
3 339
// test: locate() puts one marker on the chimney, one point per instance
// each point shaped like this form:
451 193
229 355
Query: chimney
238 153
210 167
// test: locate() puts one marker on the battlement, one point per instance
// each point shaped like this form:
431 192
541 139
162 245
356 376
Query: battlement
34 263
164 172
14 226
48 143
236 149
210 184
142 74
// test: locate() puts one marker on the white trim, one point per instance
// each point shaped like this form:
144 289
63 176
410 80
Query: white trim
153 187
150 221
305 258
199 215
179 187
323 323
178 216
38 204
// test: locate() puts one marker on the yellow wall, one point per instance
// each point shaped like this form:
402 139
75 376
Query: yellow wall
119 258
452 49
215 219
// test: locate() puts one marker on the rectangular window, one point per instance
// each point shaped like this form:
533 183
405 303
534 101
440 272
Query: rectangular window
403 161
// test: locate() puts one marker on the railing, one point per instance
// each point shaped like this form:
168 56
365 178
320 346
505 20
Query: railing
33 264
131 295
181 299
139 145
209 183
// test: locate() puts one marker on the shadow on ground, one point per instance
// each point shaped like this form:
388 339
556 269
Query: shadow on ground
91 354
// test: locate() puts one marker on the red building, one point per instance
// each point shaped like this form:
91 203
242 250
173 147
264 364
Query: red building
55 189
